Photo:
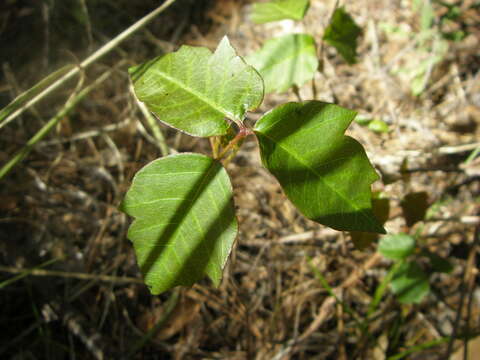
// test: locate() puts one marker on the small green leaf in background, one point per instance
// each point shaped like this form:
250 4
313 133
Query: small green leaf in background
342 34
194 90
326 174
185 223
378 126
286 61
414 206
363 120
410 283
396 247
381 210
275 10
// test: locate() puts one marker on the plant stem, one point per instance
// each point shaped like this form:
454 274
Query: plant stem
380 290
214 144
242 134
105 49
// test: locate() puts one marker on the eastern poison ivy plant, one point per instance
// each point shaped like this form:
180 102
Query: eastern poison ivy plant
291 60
185 223
408 281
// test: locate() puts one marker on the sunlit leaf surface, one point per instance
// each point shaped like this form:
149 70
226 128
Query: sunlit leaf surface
326 174
194 90
184 224
279 10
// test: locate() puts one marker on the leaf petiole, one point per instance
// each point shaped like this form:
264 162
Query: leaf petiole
235 143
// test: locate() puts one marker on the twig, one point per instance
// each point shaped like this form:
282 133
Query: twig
74 275
328 306
161 143
326 310
297 239
466 275
87 134
458 149
71 103
25 272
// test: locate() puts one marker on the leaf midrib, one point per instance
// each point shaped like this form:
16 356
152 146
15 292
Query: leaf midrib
197 94
312 170
193 201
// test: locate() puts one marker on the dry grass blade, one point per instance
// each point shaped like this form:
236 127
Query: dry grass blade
327 308
64 274
112 44
19 104
69 106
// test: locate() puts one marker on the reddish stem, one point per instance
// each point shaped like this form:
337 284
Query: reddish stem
242 133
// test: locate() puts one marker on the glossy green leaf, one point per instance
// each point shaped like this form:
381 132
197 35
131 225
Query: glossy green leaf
184 224
342 33
279 10
194 90
396 247
286 61
326 174
410 283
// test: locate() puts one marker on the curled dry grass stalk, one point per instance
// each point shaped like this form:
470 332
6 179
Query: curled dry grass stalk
60 78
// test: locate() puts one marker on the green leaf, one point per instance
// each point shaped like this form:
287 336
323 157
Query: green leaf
410 283
286 61
185 222
363 120
279 10
325 174
396 247
378 126
194 90
342 34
